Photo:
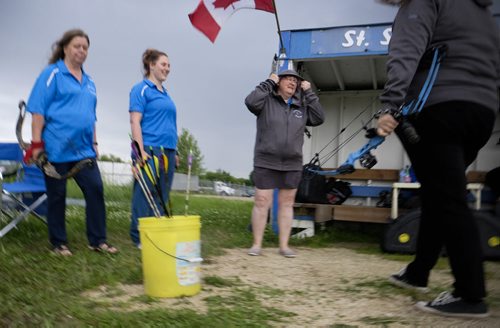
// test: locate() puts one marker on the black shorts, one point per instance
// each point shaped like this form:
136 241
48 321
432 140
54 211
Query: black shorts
271 179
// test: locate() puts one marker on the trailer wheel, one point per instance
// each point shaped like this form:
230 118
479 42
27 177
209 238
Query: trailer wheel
489 234
401 235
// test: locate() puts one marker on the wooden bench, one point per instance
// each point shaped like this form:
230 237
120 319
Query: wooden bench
325 212
307 214
476 176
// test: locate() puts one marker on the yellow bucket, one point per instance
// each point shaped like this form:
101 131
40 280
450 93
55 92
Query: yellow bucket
171 261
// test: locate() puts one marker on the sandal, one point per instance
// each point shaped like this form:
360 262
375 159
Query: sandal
287 253
254 251
62 250
104 248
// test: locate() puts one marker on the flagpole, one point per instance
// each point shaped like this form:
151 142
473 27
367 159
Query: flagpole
282 47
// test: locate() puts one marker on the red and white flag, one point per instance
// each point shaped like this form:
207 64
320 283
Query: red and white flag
211 14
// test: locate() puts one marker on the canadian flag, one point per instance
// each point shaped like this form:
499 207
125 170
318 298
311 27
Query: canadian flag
209 16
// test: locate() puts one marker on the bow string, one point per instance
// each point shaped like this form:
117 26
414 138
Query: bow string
366 158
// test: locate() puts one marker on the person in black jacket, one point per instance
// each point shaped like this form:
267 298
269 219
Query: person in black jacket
283 110
455 123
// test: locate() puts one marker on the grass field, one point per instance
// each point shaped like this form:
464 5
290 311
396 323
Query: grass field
39 289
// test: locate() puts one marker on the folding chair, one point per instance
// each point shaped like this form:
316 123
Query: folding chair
26 195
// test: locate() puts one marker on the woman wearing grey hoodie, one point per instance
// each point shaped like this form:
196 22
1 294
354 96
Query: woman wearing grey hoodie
455 123
284 105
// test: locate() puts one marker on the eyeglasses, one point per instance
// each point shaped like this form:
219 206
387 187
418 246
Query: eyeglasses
291 79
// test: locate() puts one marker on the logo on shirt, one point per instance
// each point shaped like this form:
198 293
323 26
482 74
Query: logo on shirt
297 113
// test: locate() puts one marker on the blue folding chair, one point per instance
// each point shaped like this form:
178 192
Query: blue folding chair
26 195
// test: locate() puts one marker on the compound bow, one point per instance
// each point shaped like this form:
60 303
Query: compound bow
366 158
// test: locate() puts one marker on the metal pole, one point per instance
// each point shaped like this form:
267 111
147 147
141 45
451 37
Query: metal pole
282 47
190 162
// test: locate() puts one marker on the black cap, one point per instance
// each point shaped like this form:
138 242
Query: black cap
290 72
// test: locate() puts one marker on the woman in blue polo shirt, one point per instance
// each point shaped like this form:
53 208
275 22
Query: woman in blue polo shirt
63 107
153 120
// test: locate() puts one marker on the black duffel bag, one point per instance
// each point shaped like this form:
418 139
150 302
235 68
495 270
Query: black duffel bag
312 187
337 191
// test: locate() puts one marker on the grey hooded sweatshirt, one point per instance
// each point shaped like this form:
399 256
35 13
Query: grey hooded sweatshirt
280 126
471 69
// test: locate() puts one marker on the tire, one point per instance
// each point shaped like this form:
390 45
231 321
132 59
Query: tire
401 235
223 193
489 234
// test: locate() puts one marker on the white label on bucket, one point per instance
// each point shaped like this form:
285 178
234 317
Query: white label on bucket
188 273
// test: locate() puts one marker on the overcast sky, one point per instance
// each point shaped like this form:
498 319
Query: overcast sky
208 82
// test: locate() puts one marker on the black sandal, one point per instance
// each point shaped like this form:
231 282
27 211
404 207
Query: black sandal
104 248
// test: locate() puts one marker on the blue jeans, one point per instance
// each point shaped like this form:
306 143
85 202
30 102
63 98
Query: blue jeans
90 182
140 205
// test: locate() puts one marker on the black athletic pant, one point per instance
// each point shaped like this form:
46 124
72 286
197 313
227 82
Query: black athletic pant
451 135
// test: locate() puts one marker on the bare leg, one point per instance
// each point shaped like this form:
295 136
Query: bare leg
286 198
262 203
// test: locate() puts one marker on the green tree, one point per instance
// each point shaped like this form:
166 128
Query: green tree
188 142
221 175
110 158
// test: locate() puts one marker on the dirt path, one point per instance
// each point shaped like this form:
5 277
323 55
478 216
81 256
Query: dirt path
341 286
329 286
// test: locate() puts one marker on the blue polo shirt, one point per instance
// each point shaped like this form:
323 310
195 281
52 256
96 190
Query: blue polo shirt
69 110
159 114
